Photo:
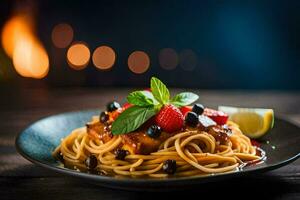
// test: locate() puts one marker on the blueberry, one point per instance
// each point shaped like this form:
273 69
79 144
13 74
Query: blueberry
198 109
169 166
112 106
60 157
154 131
191 119
103 117
121 154
91 162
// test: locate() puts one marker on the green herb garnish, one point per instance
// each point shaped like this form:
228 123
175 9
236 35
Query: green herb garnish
141 98
184 99
146 105
159 90
131 119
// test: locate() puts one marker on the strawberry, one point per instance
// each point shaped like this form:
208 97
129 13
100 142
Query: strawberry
115 114
169 118
218 116
255 143
148 89
127 105
185 109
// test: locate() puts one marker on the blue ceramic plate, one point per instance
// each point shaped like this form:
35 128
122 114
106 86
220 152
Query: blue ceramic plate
38 141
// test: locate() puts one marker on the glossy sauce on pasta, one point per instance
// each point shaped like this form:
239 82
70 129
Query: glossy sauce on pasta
197 151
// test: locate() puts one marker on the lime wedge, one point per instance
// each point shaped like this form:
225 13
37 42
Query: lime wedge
253 122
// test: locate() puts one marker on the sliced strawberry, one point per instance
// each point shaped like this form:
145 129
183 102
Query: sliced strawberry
169 118
218 116
114 114
255 143
127 105
185 109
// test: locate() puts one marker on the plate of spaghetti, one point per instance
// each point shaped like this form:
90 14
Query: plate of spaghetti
154 141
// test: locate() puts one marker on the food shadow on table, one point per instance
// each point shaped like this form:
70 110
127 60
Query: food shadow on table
251 186
64 187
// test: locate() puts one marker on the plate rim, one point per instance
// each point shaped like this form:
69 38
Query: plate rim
128 180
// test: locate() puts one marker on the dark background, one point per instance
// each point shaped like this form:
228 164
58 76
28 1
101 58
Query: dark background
238 44
247 45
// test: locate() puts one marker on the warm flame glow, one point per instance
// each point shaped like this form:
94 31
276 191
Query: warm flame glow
30 59
19 41
104 57
13 31
78 56
138 62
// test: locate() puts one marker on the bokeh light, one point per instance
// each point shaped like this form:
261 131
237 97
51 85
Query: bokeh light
138 62
104 57
30 59
15 29
20 42
78 55
188 59
168 58
62 35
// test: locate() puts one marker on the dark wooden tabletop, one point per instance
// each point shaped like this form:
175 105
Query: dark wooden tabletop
20 179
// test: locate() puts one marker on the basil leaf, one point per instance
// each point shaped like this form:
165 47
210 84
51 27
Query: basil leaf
159 90
131 119
141 98
184 99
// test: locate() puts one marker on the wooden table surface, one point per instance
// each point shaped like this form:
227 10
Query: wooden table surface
20 179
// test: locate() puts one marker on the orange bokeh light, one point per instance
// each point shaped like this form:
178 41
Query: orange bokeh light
62 35
30 59
19 41
104 57
138 62
78 56
16 29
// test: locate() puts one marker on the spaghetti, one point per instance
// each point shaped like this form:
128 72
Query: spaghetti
195 151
